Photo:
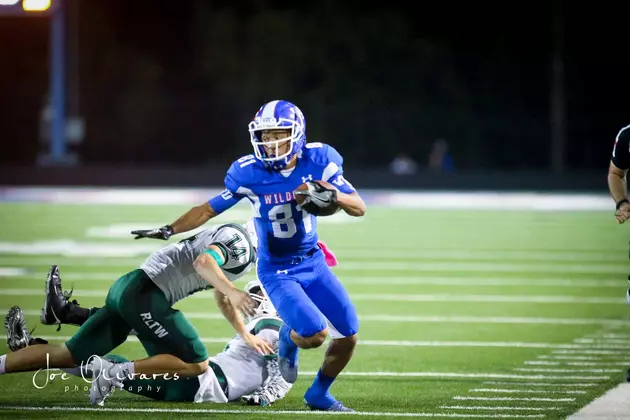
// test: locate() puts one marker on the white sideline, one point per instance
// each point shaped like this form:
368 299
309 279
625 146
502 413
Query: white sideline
613 405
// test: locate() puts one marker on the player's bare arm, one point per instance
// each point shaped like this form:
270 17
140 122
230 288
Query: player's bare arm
231 301
618 189
193 218
235 319
208 266
352 203
233 316
617 183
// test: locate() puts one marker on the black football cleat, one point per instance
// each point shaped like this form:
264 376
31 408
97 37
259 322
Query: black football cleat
18 335
58 309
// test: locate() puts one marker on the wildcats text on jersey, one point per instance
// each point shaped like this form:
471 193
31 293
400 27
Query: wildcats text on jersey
279 198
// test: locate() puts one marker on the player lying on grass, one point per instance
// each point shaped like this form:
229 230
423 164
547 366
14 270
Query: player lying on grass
142 300
238 372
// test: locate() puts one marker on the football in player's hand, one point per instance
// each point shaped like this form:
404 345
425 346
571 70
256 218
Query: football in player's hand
318 198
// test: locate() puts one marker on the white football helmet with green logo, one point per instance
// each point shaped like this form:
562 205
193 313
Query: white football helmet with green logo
264 307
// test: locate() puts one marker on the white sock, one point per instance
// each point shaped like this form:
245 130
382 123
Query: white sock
3 360
129 368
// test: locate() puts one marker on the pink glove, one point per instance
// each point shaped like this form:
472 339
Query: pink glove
331 259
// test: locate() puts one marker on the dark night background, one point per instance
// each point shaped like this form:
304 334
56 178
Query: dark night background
176 82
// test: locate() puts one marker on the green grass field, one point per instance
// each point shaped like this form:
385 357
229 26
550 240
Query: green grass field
483 314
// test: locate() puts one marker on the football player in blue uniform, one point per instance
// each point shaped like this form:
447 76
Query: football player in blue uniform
309 298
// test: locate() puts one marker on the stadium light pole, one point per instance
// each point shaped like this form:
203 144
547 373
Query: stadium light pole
57 83
55 12
558 111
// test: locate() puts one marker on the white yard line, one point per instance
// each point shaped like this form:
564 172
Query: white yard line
493 320
478 255
542 363
379 297
561 357
116 260
486 298
107 262
582 363
611 335
465 375
508 344
551 370
265 411
524 391
603 340
424 319
593 351
452 266
12 272
26 274
124 247
543 384
480 282
495 408
189 315
484 375
541 399
521 344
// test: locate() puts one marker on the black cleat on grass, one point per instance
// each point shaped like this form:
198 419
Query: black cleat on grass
18 335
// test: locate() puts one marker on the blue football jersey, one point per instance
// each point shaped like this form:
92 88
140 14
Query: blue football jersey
284 230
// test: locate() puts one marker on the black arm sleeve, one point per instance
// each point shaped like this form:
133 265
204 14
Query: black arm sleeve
621 151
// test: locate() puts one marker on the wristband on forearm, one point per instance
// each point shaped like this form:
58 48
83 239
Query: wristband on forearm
621 202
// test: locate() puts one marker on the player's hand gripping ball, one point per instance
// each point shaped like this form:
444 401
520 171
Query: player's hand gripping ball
318 198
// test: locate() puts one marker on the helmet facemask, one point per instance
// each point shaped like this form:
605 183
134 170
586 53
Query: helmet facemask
263 307
270 152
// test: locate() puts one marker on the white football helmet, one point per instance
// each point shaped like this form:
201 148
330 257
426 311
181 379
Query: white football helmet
264 306
276 115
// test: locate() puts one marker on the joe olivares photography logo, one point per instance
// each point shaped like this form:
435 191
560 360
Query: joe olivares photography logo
43 376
